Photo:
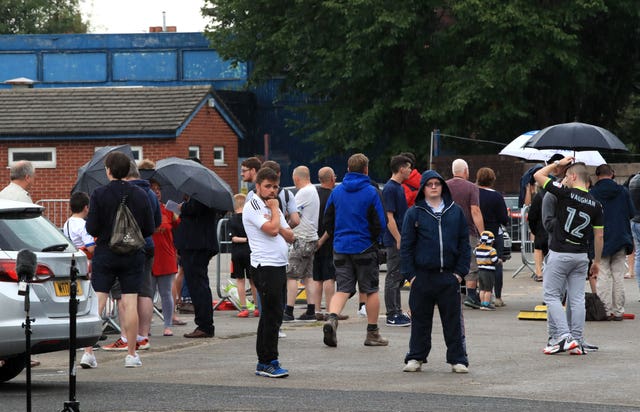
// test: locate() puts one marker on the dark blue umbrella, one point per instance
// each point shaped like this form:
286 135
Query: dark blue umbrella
576 136
92 174
187 177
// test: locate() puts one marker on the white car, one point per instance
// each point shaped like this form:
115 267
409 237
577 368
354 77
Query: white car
22 226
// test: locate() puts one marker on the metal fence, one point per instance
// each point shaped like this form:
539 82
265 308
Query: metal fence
56 210
526 244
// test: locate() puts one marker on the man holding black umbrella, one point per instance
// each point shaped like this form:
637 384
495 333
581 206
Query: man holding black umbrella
197 243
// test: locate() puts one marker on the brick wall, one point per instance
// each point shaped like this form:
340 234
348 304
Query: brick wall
206 130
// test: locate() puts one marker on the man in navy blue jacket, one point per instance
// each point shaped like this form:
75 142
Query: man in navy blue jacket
617 210
197 242
435 256
354 216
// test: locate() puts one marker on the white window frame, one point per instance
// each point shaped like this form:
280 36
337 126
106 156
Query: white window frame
196 149
137 153
48 164
136 150
218 162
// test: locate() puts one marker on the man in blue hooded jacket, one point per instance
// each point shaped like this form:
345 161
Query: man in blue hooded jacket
617 210
435 255
355 218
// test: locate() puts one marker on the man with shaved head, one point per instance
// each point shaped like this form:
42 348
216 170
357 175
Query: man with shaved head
304 246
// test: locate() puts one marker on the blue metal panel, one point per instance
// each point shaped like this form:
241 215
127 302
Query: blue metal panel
80 42
142 65
207 64
14 65
74 67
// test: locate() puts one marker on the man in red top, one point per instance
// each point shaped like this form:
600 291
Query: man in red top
411 184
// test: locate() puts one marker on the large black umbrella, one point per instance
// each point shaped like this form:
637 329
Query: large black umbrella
188 177
92 174
576 136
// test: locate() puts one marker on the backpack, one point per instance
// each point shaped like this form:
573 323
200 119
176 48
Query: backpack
126 237
594 307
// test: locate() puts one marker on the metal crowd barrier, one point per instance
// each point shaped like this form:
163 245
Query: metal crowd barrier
56 210
526 244
224 246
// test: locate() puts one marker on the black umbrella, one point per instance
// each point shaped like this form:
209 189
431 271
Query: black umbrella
576 136
195 180
92 174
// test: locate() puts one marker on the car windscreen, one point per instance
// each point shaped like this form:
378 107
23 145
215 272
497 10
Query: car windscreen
31 231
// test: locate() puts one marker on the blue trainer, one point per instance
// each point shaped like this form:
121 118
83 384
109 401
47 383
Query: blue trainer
398 319
271 370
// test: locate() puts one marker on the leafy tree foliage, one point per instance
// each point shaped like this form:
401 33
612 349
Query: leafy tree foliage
40 17
379 75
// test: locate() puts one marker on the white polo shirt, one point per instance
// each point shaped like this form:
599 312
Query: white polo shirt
266 250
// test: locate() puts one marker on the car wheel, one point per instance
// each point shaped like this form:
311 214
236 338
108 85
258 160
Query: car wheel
12 367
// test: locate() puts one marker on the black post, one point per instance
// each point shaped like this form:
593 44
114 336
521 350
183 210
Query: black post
24 288
72 405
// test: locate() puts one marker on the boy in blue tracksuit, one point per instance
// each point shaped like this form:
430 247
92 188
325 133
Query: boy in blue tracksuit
435 255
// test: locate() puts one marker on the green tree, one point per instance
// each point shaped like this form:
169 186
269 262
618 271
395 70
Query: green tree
379 75
41 17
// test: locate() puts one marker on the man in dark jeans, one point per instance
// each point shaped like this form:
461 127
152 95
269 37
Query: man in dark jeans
269 235
197 243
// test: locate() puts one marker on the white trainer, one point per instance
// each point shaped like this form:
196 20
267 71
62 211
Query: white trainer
412 366
132 361
459 368
362 312
88 361
281 334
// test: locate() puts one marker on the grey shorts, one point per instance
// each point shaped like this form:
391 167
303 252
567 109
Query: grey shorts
301 259
486 280
473 267
361 268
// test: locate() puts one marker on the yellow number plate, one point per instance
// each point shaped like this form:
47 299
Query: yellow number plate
63 287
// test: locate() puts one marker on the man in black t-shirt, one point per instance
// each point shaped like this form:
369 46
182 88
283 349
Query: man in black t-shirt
578 220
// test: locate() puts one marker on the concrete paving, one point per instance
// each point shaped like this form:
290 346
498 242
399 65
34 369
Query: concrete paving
506 359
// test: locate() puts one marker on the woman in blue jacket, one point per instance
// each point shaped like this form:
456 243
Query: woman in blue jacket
435 255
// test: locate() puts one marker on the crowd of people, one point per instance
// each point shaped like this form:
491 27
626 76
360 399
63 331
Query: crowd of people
433 233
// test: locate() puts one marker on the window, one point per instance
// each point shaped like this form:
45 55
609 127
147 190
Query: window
194 152
137 153
218 156
135 150
41 157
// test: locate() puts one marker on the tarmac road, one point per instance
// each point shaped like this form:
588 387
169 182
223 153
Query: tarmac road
508 371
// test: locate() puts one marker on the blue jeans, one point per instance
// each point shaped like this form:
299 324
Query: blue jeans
635 231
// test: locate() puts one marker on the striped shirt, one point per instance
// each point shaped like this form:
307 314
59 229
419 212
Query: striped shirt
486 256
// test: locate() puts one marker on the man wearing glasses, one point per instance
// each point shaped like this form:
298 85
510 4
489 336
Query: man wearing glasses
249 169
435 256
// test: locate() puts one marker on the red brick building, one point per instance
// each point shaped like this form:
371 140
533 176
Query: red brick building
58 129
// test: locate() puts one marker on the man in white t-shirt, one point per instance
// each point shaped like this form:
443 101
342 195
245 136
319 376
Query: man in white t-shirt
268 234
304 247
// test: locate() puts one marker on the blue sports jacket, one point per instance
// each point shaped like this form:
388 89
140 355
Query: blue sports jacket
434 242
354 215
